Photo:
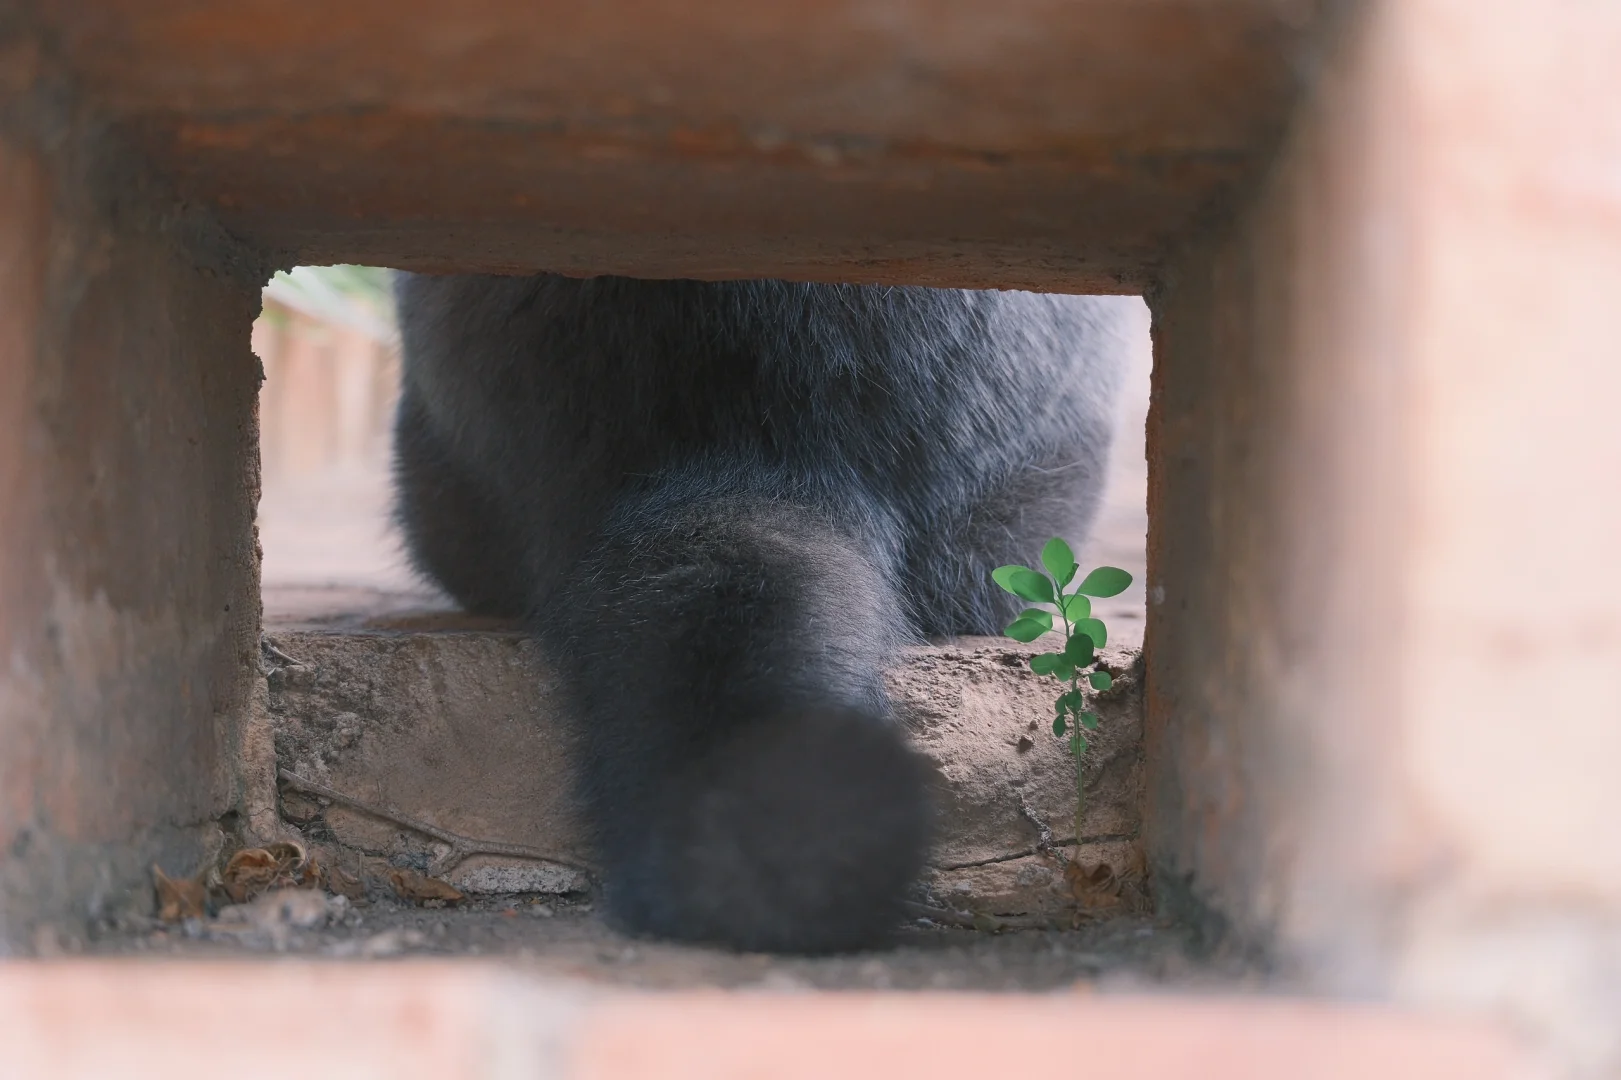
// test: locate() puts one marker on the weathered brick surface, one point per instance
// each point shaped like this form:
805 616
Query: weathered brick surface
438 1021
128 576
1385 617
1016 143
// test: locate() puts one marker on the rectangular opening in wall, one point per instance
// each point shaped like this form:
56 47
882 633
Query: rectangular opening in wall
421 752
329 342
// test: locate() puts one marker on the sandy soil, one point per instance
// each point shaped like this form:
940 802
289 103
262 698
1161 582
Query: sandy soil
567 939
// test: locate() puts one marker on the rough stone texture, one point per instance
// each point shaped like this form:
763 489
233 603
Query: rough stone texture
1385 608
971 706
128 574
459 729
1027 142
436 1021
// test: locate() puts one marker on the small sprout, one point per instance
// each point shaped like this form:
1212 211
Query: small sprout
1077 606
1094 629
1105 581
1059 561
1045 618
1025 630
1030 625
1024 583
1078 650
1046 663
1083 636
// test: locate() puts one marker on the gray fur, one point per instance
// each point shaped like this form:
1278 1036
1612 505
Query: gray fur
722 506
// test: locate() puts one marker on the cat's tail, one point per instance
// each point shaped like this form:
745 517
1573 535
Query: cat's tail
744 781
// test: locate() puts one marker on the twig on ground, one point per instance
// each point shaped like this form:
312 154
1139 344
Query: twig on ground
461 847
968 920
274 652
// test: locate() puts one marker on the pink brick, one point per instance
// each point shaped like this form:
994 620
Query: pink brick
461 1021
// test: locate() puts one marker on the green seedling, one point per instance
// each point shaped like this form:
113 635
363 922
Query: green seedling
1074 664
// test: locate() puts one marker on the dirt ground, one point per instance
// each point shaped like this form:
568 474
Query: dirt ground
567 939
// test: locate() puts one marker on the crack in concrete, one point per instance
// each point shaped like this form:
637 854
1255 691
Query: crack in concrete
461 847
1025 853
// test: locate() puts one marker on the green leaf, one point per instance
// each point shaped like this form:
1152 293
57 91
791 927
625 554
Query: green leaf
1026 630
1089 721
1003 576
1094 630
1059 726
1077 606
1024 583
1070 700
1045 663
1038 615
1033 586
1078 650
1064 669
1059 561
1077 744
1100 680
1105 581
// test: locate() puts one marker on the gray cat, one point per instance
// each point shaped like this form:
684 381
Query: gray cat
722 506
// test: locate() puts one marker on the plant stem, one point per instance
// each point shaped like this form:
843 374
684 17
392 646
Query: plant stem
1074 718
1080 790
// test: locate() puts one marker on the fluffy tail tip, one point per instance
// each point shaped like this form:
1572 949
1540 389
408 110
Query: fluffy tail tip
799 833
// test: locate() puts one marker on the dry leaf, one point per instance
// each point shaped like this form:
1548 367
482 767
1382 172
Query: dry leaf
248 874
1096 889
420 888
287 851
344 883
252 872
179 898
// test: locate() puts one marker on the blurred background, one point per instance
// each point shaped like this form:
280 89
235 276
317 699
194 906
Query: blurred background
327 338
330 349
